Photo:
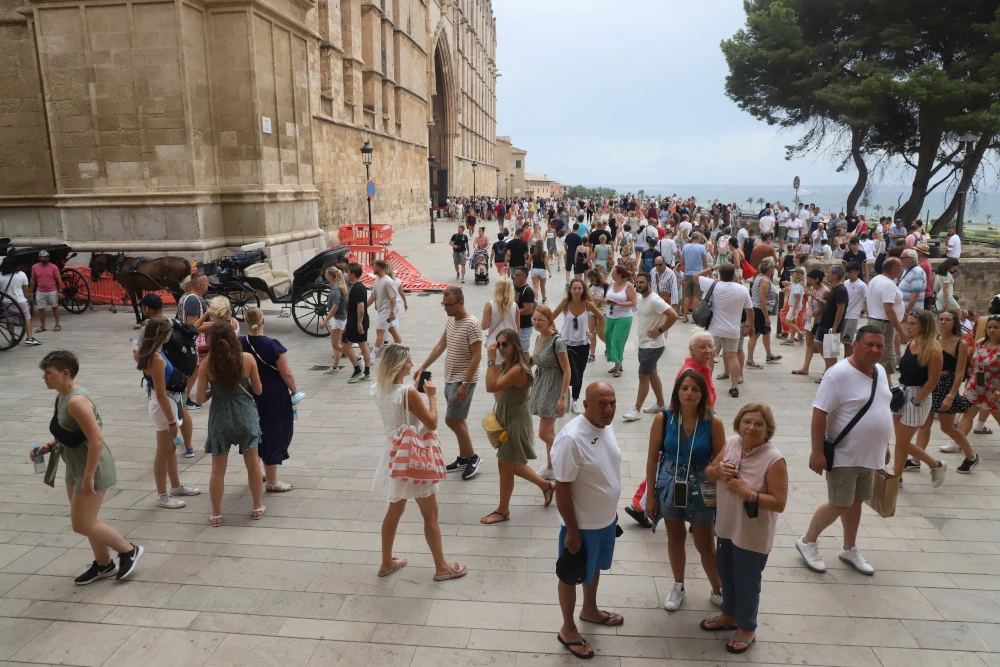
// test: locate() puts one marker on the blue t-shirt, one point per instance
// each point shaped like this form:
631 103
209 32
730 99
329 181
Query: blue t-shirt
694 258
701 440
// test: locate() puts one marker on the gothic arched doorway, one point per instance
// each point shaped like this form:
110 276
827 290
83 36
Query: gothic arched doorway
441 131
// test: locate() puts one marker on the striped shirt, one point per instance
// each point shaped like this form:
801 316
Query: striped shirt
460 335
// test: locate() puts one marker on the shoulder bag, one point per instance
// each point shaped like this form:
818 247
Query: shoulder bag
703 313
414 456
828 446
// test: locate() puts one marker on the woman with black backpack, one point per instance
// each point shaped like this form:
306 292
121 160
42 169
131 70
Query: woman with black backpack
165 391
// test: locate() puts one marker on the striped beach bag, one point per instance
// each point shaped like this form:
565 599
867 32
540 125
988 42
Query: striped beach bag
416 456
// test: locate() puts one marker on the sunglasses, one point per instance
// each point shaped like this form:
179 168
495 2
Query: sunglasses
503 345
576 323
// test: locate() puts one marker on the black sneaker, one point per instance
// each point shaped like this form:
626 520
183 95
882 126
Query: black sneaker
128 560
191 405
911 466
968 466
96 572
456 465
356 377
472 467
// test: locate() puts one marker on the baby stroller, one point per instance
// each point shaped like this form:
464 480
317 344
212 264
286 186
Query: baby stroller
481 266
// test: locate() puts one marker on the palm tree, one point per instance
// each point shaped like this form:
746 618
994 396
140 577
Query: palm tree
760 201
877 208
866 203
891 209
750 201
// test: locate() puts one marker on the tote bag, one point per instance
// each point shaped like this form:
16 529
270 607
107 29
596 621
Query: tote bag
414 456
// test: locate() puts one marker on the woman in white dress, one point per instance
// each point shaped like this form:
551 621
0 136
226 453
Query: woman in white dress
399 404
501 312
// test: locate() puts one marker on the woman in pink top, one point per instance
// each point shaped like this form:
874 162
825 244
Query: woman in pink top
751 490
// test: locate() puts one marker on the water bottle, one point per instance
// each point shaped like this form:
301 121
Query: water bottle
295 414
179 442
135 344
296 397
39 461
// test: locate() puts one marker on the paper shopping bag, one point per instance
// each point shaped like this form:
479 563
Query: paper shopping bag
883 499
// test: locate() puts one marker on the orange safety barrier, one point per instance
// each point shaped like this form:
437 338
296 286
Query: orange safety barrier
351 234
107 291
409 277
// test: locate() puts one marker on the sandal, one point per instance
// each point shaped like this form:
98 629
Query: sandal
719 625
754 364
216 521
617 373
549 494
41 330
800 372
747 643
456 572
57 328
569 647
397 564
280 487
609 620
735 393
591 358
639 516
986 431
258 513
503 517
612 369
722 376
773 358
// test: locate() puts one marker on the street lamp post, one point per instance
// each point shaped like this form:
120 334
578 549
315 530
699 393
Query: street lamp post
366 157
430 161
474 165
512 188
968 140
498 182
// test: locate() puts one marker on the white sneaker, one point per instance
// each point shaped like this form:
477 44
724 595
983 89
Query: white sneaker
546 473
185 490
937 474
632 416
857 561
716 599
169 502
577 408
653 409
810 554
674 597
951 448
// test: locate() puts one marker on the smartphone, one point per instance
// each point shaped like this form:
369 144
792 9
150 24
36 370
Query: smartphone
681 494
980 378
424 377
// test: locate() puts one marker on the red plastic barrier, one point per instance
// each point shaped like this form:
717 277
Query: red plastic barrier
106 290
409 277
351 234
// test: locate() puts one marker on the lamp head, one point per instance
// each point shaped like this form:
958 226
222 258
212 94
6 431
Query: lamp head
474 165
366 153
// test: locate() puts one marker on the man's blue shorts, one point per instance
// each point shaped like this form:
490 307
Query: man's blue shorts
600 546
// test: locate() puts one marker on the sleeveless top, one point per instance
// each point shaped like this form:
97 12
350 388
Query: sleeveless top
770 298
578 334
498 324
168 371
614 311
911 373
700 440
601 252
950 364
66 420
731 520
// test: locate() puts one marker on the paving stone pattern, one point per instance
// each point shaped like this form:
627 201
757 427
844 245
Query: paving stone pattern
299 587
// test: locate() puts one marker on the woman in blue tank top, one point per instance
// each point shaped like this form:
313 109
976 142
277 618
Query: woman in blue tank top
165 410
683 441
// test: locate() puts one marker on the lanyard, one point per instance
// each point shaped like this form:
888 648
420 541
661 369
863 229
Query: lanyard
694 435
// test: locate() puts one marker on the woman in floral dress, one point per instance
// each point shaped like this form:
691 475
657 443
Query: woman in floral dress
983 387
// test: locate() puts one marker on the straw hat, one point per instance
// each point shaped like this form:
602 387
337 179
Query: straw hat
923 247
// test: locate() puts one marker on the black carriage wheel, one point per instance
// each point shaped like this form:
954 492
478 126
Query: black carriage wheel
12 323
309 310
75 296
241 298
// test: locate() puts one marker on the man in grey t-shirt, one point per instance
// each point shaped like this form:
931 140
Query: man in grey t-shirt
384 295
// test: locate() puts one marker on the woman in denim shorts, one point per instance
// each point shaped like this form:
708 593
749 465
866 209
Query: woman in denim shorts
682 443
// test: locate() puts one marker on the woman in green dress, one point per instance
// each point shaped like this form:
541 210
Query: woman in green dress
90 468
511 382
232 419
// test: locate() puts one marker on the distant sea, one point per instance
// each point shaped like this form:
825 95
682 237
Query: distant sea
828 197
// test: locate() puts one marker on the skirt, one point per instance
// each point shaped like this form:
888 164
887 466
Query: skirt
959 404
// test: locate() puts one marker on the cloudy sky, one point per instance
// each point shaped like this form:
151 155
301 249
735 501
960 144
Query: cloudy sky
625 91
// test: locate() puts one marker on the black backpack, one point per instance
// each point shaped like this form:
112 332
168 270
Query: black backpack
181 350
748 244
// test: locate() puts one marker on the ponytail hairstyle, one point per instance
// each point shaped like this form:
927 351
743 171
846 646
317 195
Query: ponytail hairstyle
220 308
254 318
336 278
155 334
225 356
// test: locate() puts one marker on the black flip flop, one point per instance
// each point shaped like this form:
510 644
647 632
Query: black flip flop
640 517
747 644
582 656
607 620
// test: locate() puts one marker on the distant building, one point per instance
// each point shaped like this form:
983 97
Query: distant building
511 162
538 186
558 190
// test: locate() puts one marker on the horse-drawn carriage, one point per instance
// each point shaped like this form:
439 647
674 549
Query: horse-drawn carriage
244 278
75 296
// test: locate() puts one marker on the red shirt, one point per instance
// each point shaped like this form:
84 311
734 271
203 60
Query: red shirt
45 276
706 373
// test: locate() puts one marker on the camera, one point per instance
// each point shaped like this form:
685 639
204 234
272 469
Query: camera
682 494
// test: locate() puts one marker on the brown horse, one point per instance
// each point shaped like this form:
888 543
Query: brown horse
137 275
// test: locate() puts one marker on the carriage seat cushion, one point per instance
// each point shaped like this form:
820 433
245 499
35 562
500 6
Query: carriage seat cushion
278 280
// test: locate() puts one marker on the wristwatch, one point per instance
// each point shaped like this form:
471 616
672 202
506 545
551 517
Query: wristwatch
466 384
489 364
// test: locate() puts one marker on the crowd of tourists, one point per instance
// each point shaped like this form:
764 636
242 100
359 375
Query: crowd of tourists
877 309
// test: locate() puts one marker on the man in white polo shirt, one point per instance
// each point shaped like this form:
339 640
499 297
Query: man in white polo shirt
730 302
885 310
586 462
767 222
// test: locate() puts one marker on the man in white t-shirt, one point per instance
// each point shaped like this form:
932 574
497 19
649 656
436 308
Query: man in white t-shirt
730 303
668 247
18 286
685 228
384 297
586 462
782 218
857 294
654 317
885 310
954 243
794 230
767 222
850 476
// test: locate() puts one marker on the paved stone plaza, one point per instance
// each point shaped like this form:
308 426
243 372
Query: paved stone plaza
299 587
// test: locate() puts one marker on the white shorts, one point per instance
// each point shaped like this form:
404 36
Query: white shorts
383 320
25 308
156 414
337 325
47 299
910 414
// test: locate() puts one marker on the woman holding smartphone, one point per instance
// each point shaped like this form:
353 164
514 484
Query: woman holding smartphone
683 441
